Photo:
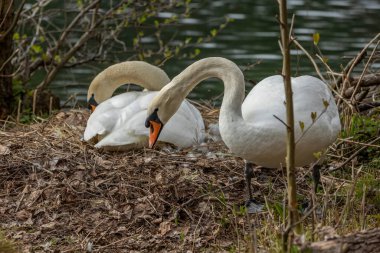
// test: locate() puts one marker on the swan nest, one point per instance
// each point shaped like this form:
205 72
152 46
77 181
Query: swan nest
59 194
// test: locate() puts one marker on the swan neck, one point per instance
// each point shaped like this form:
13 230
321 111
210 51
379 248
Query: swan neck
137 72
221 68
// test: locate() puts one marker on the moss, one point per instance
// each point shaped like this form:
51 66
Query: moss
6 245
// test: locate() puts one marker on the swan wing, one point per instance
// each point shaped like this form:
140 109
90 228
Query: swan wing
122 123
265 108
103 119
185 128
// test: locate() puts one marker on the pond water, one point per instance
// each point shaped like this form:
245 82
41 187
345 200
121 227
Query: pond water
345 27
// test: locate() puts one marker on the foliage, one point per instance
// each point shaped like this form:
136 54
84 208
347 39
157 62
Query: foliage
51 35
6 246
370 186
363 129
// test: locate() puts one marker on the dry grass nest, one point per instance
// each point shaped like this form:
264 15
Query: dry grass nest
59 194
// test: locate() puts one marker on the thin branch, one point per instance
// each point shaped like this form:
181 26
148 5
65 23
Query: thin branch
50 76
15 19
359 143
293 217
310 58
364 70
281 121
355 61
354 155
6 13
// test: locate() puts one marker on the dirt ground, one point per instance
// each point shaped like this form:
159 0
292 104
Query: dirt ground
58 194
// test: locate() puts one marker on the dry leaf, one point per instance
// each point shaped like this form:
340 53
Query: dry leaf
104 163
4 150
33 197
23 215
165 227
49 226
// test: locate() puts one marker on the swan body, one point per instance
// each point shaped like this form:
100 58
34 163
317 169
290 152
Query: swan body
250 128
118 122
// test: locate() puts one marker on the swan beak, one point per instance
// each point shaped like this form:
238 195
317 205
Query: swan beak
92 108
155 130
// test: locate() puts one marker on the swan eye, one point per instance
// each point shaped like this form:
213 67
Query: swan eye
152 118
92 104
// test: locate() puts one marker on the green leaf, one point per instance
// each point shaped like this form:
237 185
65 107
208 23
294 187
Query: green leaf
80 4
45 57
36 49
316 38
213 32
57 58
317 154
135 41
142 19
302 125
325 103
156 23
313 116
16 36
167 53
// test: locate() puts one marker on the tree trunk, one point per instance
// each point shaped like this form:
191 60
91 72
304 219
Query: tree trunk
6 94
366 241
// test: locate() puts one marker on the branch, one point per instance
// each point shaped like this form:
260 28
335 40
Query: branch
365 81
14 22
293 217
84 38
364 70
363 241
310 58
354 155
352 64
281 121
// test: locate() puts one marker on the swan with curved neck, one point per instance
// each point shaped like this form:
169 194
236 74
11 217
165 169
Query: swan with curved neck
117 122
252 129
138 72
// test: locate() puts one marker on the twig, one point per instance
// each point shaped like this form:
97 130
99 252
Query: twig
351 66
310 58
18 111
364 70
281 121
15 19
354 155
349 197
359 143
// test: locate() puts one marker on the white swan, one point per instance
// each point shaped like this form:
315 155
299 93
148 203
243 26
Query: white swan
251 129
119 121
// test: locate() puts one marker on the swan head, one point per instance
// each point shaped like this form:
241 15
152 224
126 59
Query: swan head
92 104
154 123
160 110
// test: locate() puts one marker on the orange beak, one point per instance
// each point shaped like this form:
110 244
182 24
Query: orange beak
155 130
92 108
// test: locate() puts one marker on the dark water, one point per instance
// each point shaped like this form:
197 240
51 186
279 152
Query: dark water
345 27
